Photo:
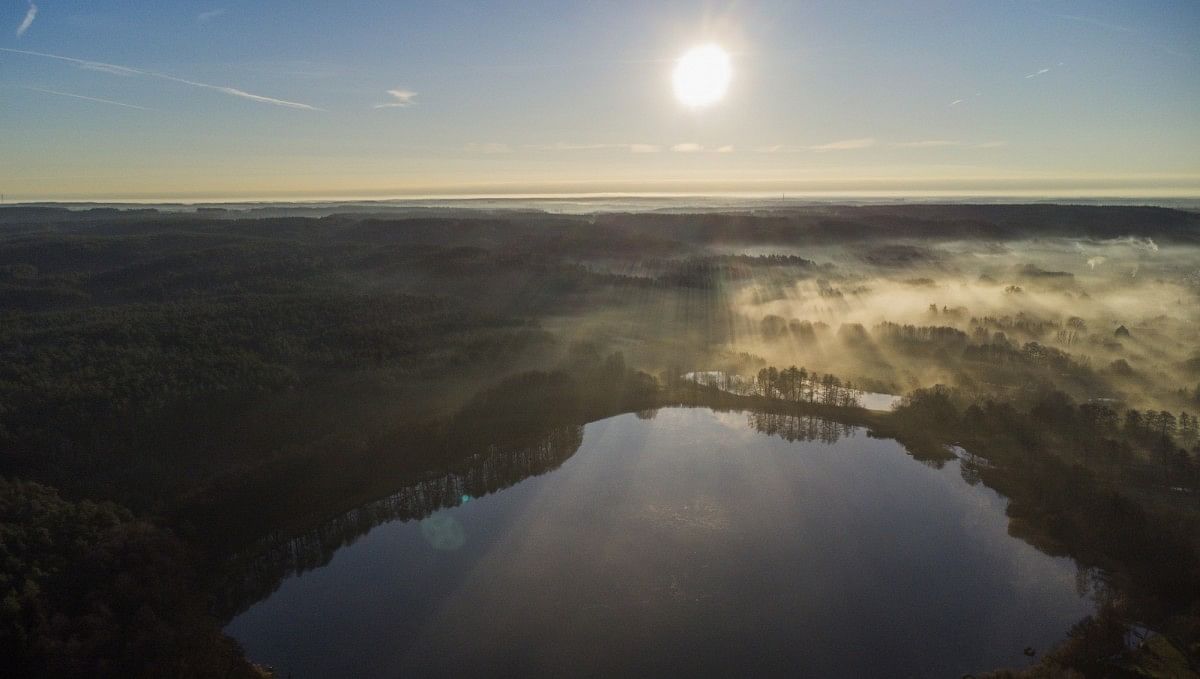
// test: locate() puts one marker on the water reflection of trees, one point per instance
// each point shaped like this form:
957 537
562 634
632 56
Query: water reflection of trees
255 573
799 427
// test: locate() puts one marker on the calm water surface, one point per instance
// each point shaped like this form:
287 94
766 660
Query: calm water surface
690 543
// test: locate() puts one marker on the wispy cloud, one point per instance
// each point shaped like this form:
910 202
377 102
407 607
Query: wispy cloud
868 142
845 145
30 15
566 146
86 98
1040 71
691 147
235 92
576 146
116 69
585 147
400 99
205 17
963 100
784 148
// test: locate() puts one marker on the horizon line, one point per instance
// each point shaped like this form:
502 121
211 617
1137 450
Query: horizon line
781 198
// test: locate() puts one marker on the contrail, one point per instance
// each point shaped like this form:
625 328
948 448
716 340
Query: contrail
86 98
117 69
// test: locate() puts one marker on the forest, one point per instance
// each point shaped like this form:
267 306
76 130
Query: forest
195 403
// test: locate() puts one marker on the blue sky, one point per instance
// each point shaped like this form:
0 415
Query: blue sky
188 100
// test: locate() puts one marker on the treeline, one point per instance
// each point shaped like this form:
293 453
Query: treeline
791 225
229 513
257 570
945 342
1123 444
800 386
793 384
89 589
982 357
982 346
850 224
522 425
233 376
1078 478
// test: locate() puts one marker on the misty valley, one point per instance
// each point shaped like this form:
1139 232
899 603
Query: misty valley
704 440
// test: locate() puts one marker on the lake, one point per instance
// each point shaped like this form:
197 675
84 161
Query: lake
685 542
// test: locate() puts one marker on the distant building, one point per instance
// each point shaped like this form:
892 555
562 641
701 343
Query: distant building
1122 331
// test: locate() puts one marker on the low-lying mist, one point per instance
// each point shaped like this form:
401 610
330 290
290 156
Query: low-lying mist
1110 319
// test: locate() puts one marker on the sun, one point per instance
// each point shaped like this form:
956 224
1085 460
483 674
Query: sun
702 76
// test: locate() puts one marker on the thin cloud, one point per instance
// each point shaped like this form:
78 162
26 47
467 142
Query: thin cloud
845 145
86 98
956 102
111 69
205 17
1040 71
782 148
235 92
565 146
30 15
571 146
690 147
583 147
400 99
868 142
116 69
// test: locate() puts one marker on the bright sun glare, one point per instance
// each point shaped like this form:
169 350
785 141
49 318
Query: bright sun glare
702 76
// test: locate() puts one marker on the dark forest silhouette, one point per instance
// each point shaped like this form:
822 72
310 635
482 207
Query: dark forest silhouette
207 402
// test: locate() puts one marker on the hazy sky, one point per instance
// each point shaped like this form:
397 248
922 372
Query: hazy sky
292 99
